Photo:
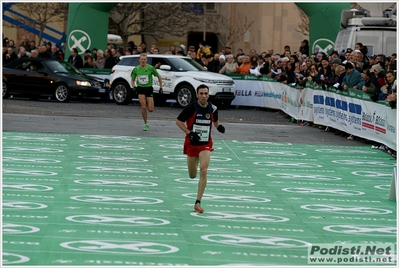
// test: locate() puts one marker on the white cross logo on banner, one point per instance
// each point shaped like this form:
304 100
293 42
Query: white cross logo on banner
79 39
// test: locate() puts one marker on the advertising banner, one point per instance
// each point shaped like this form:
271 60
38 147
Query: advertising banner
351 111
354 115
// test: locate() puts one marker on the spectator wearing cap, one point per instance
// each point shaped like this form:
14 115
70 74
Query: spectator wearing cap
371 60
191 48
222 61
352 78
181 48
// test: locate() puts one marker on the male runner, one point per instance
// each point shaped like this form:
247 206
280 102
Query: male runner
145 91
196 121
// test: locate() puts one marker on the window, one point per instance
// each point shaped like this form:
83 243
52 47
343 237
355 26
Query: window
131 61
210 7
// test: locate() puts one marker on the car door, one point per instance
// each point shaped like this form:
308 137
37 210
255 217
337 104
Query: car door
17 77
167 83
36 80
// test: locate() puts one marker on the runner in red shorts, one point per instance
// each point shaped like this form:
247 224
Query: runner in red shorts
196 121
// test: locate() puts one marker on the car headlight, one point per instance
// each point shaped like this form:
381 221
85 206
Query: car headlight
83 83
204 80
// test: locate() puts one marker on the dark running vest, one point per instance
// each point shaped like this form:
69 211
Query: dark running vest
202 124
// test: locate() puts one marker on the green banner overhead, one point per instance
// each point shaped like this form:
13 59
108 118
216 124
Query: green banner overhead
87 26
324 24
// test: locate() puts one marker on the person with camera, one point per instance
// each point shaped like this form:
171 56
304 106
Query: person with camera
196 121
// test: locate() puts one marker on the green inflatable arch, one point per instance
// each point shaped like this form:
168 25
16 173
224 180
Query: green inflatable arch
87 26
324 23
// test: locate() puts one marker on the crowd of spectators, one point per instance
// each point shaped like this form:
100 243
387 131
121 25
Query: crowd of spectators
350 69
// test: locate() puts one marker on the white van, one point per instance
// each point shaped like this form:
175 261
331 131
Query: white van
378 34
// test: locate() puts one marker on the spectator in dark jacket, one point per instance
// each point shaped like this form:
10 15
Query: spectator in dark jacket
75 59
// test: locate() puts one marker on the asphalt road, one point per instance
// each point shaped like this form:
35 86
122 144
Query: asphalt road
107 118
169 111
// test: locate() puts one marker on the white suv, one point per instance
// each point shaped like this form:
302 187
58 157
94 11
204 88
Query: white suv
180 78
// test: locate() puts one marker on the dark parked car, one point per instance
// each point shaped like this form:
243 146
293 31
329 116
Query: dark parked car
40 77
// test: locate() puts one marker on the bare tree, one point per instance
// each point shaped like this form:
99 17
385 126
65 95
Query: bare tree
41 14
152 19
304 24
227 33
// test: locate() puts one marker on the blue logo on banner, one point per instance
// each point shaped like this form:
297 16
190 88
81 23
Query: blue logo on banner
342 105
355 108
318 99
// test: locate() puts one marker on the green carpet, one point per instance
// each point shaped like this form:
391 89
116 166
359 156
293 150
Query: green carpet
81 200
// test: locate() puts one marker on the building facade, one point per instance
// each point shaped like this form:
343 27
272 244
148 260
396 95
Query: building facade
274 25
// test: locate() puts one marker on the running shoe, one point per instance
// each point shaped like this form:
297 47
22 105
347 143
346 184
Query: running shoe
146 127
198 208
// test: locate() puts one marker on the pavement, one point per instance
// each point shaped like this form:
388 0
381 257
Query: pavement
121 126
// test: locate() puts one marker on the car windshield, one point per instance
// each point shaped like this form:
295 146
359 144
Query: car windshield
62 67
185 64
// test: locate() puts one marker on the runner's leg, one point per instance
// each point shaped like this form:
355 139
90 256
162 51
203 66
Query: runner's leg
150 104
142 99
192 164
204 158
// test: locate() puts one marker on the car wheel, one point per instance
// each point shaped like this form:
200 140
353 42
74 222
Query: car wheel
62 93
185 95
6 92
122 93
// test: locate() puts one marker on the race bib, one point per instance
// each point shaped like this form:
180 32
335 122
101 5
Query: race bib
202 131
143 79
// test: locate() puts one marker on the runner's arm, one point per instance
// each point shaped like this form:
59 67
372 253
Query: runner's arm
182 126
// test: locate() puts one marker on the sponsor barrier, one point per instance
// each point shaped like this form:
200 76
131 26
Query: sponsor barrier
351 111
